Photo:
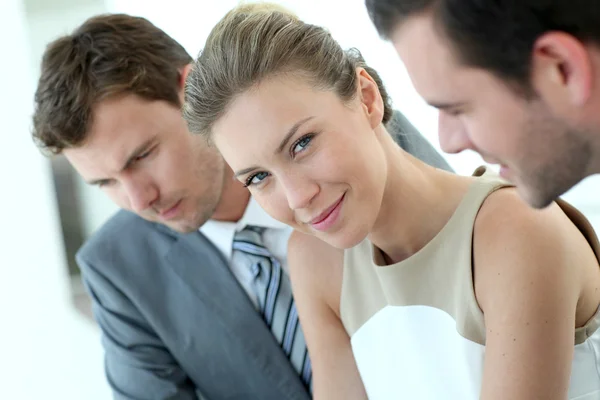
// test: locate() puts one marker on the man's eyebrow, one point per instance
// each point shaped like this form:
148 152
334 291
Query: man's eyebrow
96 182
444 105
138 151
291 133
130 159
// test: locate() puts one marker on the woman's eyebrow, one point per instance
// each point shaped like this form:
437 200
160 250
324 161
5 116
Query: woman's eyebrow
244 171
291 133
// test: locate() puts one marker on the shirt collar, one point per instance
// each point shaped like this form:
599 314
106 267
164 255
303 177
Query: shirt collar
221 233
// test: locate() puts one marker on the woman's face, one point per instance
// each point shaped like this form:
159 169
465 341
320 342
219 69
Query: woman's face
309 159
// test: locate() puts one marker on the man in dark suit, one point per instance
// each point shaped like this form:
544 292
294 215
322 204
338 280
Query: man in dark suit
176 306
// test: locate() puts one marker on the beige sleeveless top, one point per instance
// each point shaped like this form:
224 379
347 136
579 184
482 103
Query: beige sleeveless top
416 329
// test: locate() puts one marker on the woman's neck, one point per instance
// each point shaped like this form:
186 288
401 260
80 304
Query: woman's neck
417 203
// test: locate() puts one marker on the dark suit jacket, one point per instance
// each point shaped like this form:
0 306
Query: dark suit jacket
175 322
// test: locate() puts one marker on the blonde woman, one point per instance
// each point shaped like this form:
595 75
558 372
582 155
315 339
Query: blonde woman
411 282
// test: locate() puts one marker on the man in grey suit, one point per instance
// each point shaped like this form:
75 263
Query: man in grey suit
173 302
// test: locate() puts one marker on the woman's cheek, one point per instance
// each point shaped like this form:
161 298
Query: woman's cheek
276 206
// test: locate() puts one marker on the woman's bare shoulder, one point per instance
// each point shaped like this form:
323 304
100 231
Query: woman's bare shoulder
316 266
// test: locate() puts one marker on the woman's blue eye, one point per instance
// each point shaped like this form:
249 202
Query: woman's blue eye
302 144
256 178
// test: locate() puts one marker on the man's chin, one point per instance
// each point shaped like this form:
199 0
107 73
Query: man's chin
536 196
535 200
184 223
189 225
176 225
182 228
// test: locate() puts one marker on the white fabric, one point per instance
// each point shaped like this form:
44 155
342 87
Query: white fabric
275 239
415 352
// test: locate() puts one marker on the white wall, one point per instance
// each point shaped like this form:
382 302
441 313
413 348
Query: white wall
48 350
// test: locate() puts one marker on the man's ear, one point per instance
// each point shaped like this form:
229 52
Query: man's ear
183 74
561 70
370 97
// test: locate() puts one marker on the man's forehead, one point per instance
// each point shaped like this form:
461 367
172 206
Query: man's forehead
119 127
427 58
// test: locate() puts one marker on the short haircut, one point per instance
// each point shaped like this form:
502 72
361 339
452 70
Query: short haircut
109 55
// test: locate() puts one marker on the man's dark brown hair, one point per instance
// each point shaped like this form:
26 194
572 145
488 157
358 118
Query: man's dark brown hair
109 55
497 35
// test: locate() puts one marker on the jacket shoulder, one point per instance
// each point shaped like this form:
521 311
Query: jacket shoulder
124 235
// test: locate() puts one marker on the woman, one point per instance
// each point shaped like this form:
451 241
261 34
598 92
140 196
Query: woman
404 275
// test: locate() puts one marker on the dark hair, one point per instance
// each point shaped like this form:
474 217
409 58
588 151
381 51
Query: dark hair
255 41
109 55
495 35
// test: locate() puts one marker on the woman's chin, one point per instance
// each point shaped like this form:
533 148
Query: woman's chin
342 240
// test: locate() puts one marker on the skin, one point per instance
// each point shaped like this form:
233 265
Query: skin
141 154
340 148
544 144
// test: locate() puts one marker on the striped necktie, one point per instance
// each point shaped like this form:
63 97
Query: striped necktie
272 287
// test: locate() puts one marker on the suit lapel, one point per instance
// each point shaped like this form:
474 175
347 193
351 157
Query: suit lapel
204 270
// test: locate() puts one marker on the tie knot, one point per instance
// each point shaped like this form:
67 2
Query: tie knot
250 234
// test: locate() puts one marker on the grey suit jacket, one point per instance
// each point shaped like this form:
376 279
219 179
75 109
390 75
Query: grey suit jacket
175 322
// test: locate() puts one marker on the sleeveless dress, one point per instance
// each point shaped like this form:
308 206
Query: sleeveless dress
416 329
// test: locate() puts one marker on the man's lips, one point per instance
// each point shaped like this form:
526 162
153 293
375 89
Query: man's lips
170 212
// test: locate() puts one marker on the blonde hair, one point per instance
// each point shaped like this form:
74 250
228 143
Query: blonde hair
259 40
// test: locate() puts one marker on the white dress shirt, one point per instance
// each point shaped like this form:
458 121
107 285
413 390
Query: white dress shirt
275 239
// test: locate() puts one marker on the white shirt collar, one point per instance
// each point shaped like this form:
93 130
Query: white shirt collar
221 233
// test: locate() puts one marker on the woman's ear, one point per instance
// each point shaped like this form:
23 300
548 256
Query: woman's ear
370 97
183 74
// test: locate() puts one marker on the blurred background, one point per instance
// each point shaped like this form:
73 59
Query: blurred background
51 345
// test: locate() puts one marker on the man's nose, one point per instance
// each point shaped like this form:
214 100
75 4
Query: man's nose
140 194
452 134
